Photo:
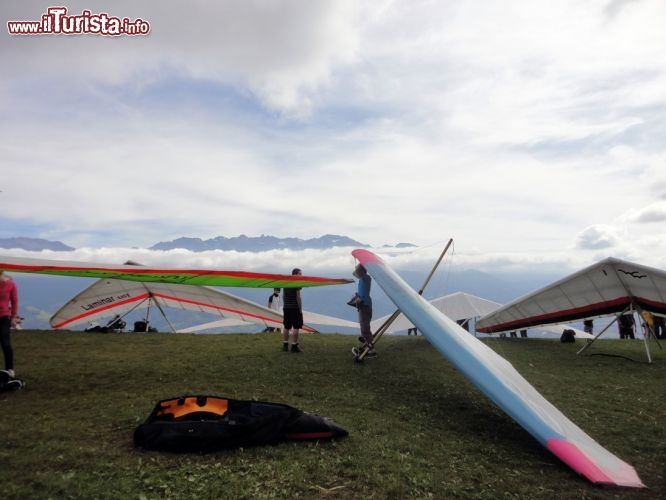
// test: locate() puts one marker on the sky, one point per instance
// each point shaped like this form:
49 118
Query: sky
532 133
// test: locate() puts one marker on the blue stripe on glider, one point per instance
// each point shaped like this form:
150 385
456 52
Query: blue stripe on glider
500 381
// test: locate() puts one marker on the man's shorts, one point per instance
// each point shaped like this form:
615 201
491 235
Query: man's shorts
293 318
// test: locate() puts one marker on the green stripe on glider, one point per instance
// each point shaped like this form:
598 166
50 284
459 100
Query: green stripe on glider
205 277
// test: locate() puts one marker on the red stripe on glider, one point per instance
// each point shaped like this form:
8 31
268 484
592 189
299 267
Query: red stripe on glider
145 296
138 298
600 308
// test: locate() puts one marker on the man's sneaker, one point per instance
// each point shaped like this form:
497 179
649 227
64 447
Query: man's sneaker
295 348
358 351
11 373
285 346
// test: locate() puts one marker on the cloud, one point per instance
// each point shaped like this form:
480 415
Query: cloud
615 7
312 261
598 237
282 51
654 212
508 126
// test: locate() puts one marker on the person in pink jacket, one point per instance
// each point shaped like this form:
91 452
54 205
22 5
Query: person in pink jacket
8 317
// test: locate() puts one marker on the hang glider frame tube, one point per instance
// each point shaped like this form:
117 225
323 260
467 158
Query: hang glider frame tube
632 307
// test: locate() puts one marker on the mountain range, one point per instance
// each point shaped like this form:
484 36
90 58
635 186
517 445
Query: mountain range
261 243
240 243
34 244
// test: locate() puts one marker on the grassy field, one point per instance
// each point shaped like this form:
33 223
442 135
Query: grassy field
417 428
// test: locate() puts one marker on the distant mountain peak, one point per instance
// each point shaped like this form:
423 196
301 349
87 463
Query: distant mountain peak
244 243
33 244
240 243
400 245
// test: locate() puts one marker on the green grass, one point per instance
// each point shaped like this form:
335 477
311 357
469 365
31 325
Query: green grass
417 428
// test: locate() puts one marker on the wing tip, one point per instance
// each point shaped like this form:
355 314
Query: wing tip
622 474
365 256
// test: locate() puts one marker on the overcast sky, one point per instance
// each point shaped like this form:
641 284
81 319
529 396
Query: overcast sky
530 132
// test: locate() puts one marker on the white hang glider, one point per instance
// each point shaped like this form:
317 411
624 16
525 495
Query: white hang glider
611 286
310 319
550 331
500 381
107 298
457 306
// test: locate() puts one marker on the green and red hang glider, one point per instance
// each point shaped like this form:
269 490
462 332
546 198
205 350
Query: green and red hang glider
205 277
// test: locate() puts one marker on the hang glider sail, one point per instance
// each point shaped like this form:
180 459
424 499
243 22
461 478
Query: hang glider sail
109 297
205 277
607 287
556 330
217 324
457 306
311 319
499 380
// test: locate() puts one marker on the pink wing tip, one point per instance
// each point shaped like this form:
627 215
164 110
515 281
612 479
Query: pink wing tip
366 256
624 475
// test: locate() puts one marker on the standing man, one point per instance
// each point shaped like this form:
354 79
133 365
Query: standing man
274 304
588 326
659 329
648 324
8 317
626 326
293 316
365 304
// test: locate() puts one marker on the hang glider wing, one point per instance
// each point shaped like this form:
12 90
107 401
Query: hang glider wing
161 275
497 378
220 323
309 319
457 306
312 318
108 297
557 328
607 287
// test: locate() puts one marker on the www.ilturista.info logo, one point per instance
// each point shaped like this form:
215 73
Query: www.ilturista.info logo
57 22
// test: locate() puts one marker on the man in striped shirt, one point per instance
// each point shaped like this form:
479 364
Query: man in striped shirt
293 315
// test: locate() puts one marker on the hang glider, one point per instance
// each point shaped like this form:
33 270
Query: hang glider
126 272
500 381
607 287
310 319
457 306
109 297
556 330
217 324
313 318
